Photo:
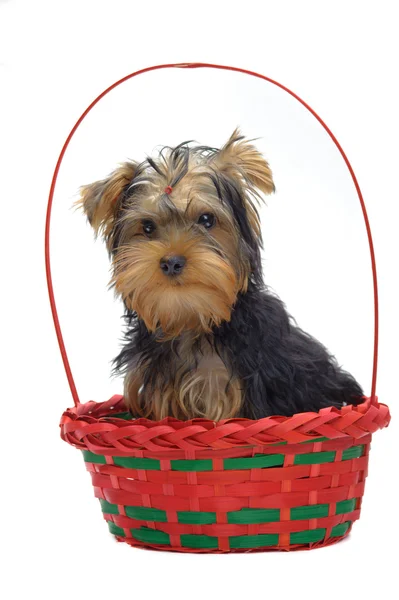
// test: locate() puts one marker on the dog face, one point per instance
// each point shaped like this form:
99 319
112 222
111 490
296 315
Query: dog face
183 232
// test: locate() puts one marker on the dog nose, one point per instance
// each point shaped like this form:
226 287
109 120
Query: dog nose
173 265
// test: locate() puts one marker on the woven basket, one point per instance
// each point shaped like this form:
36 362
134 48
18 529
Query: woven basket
239 485
236 485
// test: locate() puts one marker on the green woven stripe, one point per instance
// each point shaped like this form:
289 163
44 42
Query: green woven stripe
314 458
327 457
94 458
340 529
243 516
254 515
354 452
151 464
151 536
140 513
198 541
259 461
191 465
196 518
318 511
108 508
346 506
143 513
316 535
253 541
115 529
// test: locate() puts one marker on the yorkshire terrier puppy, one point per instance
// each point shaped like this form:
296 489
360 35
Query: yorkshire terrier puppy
205 337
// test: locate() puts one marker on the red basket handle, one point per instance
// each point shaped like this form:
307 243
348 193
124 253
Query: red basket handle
191 66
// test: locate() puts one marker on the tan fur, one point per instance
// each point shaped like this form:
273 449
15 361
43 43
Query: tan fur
208 393
204 392
242 159
99 199
200 298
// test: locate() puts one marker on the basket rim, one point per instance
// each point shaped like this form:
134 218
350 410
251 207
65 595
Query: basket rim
94 425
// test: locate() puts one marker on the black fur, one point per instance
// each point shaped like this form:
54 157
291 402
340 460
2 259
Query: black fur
229 193
284 369
145 346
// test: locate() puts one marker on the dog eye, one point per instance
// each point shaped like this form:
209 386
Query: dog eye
148 226
207 220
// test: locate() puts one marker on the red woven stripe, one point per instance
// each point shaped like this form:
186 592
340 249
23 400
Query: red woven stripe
215 504
285 513
221 516
210 478
363 474
116 486
145 498
171 513
313 494
334 484
249 488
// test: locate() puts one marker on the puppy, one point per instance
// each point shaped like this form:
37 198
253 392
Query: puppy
205 337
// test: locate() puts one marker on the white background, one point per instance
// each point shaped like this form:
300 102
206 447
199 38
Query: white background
55 58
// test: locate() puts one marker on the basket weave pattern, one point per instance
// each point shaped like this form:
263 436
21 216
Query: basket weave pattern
236 485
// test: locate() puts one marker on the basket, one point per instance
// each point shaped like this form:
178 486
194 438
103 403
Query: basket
238 485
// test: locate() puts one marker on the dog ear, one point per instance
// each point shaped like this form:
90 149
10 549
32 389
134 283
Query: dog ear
99 200
240 157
